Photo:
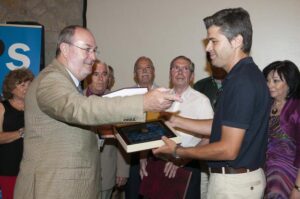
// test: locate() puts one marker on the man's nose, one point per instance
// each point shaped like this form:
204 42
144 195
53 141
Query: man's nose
208 47
93 55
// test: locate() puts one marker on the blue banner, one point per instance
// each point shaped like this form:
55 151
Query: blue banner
20 47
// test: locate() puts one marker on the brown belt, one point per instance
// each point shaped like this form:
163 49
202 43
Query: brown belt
230 170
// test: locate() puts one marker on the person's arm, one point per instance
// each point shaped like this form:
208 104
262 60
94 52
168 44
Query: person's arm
121 181
202 127
143 163
226 149
57 97
6 137
122 172
203 141
172 166
295 192
294 125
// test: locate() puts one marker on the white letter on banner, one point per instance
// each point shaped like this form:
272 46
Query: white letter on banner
17 56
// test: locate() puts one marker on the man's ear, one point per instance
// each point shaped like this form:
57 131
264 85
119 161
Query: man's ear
64 48
192 78
237 42
135 77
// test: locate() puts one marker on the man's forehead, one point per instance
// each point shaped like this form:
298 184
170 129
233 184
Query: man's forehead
144 62
180 62
214 31
84 37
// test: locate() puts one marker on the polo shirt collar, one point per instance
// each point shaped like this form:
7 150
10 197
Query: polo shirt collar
238 65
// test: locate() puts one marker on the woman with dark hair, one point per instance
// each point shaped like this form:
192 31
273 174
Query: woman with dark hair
283 152
11 128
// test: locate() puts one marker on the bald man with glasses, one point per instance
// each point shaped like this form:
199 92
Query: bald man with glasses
61 157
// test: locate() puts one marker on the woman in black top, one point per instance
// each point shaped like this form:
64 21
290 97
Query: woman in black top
11 128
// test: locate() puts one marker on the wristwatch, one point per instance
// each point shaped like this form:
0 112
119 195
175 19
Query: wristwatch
297 187
174 154
21 132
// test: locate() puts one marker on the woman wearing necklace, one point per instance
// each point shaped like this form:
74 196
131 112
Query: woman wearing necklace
283 152
11 128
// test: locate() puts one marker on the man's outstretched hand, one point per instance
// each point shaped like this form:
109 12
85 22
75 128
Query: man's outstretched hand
159 99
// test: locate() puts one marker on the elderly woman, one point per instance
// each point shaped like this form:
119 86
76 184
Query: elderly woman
283 152
11 128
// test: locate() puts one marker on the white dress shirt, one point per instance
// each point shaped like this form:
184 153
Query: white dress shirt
194 105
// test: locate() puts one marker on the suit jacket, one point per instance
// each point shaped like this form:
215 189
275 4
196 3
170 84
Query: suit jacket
61 156
113 163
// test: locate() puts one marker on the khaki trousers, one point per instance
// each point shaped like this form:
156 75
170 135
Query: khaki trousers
237 186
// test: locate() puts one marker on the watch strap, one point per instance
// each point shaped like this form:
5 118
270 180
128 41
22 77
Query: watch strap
174 154
297 187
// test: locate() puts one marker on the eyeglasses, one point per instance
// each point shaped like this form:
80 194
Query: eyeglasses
97 74
184 69
147 69
88 50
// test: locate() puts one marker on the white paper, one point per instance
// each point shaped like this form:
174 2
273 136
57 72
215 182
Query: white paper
127 92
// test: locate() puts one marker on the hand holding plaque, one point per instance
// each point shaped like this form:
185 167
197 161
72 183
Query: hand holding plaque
143 136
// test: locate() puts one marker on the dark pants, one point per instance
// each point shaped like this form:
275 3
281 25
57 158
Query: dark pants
194 191
132 186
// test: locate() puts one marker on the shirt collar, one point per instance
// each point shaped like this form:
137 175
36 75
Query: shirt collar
75 80
152 87
185 93
239 64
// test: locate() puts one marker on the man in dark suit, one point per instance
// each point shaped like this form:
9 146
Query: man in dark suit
61 157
